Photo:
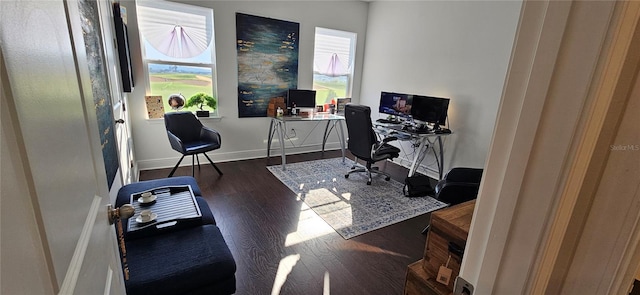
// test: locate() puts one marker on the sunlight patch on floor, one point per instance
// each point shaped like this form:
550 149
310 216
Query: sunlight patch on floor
284 269
327 203
326 289
358 246
310 226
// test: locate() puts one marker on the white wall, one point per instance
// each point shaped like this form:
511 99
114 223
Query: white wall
455 49
243 137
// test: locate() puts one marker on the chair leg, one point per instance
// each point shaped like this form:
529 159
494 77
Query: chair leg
355 171
193 167
175 167
213 164
369 174
369 170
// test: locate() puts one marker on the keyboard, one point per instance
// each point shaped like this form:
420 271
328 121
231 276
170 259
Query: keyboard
418 130
386 121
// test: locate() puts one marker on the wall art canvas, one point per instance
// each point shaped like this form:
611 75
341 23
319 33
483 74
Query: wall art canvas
267 61
100 87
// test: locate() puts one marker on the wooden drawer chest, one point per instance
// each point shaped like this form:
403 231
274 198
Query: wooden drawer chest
419 283
446 240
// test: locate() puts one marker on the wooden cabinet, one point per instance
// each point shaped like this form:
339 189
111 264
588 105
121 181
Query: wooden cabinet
445 247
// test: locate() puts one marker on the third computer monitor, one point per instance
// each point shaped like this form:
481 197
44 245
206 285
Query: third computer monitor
301 98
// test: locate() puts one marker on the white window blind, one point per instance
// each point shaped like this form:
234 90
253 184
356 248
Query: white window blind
333 60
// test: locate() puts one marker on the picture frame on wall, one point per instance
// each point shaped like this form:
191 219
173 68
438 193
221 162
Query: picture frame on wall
340 103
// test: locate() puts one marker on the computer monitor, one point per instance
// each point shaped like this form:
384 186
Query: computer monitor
301 98
395 104
429 109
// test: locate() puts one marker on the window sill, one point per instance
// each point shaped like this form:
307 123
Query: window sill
161 120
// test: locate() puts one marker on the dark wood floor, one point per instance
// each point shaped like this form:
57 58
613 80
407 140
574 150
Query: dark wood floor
256 213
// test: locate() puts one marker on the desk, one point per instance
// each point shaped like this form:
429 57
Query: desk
425 143
278 124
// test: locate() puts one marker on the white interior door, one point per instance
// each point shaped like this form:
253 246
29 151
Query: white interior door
60 155
123 139
118 98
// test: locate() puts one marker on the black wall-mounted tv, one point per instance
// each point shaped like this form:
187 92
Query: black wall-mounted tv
122 40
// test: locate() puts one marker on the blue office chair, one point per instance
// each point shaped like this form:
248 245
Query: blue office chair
188 136
363 142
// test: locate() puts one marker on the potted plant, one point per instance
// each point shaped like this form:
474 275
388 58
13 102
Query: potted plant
201 99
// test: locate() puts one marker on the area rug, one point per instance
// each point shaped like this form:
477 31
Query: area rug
349 205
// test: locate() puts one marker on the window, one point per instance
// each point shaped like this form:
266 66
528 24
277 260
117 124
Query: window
178 50
333 60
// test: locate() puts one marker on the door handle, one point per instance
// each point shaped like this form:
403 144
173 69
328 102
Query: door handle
126 211
121 121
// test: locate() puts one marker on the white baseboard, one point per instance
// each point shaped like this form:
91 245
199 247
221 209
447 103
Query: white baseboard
220 157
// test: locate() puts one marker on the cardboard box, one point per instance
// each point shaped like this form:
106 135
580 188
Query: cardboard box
273 105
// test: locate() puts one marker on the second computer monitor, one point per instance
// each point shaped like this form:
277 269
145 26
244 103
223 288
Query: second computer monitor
300 98
429 109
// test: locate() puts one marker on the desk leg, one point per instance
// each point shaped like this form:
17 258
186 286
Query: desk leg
280 128
441 166
341 138
416 157
269 140
324 137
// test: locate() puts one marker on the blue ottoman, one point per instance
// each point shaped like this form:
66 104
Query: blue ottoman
189 258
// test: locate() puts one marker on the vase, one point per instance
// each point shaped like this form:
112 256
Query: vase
202 113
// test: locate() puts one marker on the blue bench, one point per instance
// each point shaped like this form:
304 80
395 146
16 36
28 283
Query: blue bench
186 258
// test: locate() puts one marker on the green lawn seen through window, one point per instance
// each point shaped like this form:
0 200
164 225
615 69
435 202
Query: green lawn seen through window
167 83
328 88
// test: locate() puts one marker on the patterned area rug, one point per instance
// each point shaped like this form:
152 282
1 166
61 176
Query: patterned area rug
351 206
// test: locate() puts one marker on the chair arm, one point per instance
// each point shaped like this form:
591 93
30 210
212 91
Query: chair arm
175 142
381 144
456 192
388 139
209 134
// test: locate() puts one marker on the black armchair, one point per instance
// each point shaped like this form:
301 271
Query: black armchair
459 185
363 141
188 136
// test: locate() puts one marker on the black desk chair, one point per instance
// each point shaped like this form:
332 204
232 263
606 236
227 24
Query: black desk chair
189 137
459 185
363 142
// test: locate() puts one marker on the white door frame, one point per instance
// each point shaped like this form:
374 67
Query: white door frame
570 62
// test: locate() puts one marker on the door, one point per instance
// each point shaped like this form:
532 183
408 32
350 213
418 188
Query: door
60 170
118 98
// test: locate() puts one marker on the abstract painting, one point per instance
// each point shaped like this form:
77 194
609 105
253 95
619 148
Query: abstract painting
100 87
267 61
